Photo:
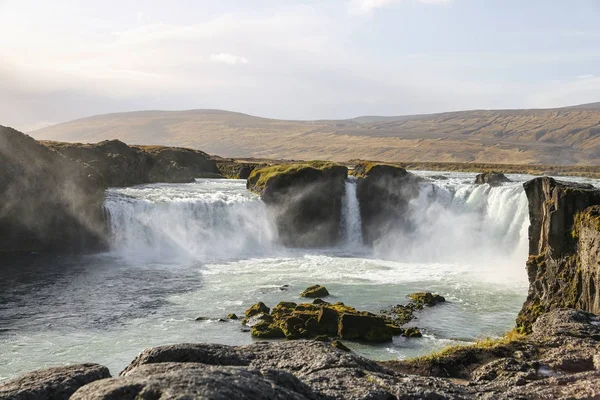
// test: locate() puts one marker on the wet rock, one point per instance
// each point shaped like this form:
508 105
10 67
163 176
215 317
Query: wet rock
232 316
412 332
315 291
366 327
428 299
258 308
57 383
339 345
491 178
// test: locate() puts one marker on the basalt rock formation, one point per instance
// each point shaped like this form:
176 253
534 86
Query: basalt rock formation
564 237
559 360
122 165
384 192
491 178
47 202
306 200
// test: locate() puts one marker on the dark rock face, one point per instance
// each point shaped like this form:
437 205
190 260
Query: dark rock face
491 178
47 202
384 192
57 383
121 165
306 200
236 170
563 247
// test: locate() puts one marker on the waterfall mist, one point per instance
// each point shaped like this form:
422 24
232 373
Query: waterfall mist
477 225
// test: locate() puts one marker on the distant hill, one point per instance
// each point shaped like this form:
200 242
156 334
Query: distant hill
569 135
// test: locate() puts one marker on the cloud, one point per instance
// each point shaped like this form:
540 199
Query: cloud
227 58
365 7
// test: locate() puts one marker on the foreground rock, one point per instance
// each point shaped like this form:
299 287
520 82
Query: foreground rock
47 202
491 178
306 199
321 319
119 164
52 383
564 248
560 359
384 192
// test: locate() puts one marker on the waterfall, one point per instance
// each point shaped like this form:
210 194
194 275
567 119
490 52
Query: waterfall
203 221
351 224
456 222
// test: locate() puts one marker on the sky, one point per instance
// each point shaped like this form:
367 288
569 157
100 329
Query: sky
292 59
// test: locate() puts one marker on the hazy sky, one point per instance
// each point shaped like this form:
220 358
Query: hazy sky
294 59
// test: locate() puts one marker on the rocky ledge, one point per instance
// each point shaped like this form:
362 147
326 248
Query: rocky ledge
119 164
559 360
306 199
564 248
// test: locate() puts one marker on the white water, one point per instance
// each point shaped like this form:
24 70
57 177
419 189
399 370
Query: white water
210 248
351 223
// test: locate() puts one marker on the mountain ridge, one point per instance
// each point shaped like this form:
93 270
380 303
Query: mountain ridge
566 135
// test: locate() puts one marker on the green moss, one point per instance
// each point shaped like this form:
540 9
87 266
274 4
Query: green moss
486 343
261 176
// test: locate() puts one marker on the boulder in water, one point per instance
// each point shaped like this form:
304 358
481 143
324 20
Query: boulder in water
258 308
297 321
306 199
315 291
491 178
426 299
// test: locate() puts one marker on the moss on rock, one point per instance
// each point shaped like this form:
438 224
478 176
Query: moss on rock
315 291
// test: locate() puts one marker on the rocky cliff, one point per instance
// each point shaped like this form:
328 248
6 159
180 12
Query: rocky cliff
564 236
121 165
306 200
47 202
384 192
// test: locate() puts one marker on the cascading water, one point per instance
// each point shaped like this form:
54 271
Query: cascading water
205 221
351 223
457 222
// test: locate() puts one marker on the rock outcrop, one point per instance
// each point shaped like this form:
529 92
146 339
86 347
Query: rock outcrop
558 360
47 202
122 165
563 267
233 169
306 200
57 383
491 178
384 192
321 320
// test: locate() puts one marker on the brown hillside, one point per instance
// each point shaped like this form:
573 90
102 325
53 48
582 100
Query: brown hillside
554 136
